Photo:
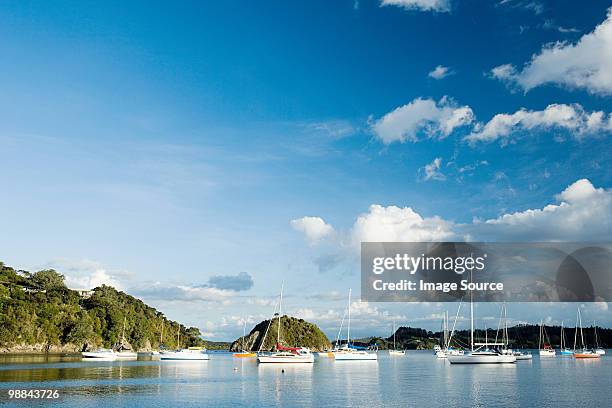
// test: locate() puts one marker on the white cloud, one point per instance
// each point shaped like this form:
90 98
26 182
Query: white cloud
96 278
441 6
314 228
440 72
392 224
582 214
422 117
586 64
432 171
571 118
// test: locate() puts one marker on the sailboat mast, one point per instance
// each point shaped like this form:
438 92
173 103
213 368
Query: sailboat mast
161 334
394 335
280 313
576 330
581 334
562 336
471 315
348 331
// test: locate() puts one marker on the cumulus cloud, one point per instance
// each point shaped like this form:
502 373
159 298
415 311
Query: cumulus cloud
393 223
314 228
570 118
582 214
439 6
586 64
432 170
87 274
440 72
422 117
240 282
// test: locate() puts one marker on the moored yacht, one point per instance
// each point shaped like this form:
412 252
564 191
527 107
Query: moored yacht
101 354
545 349
482 354
583 352
190 353
394 351
283 354
350 352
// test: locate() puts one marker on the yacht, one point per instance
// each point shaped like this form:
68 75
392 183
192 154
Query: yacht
598 350
283 354
394 351
101 354
545 349
244 353
190 353
448 350
480 352
349 351
563 349
584 352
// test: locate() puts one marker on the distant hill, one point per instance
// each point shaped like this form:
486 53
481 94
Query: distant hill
39 313
521 336
294 332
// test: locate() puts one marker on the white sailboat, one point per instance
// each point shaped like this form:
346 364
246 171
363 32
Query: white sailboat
563 349
448 350
125 354
583 352
394 351
283 354
545 348
186 354
348 352
101 354
481 354
520 356
598 350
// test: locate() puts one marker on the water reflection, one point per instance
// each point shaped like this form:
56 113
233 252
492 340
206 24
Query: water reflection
415 379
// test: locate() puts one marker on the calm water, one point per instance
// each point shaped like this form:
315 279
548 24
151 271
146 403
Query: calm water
415 379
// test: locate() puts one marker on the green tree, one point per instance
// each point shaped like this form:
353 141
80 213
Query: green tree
48 279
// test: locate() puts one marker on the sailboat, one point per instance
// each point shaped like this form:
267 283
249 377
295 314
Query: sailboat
284 354
447 350
350 351
125 354
187 354
545 348
520 356
101 354
482 354
394 351
244 353
563 349
598 350
584 352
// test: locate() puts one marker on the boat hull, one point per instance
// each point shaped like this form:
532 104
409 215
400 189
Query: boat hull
244 355
601 352
97 356
481 359
286 359
523 357
126 355
547 353
355 356
175 355
397 352
586 355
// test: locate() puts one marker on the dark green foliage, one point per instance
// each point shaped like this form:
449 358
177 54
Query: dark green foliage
294 332
39 309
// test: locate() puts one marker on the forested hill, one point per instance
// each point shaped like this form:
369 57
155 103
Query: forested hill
39 313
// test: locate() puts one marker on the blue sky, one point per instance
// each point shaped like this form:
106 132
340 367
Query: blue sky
164 148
